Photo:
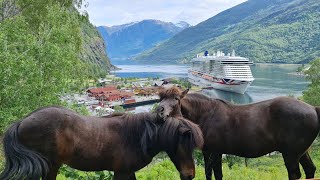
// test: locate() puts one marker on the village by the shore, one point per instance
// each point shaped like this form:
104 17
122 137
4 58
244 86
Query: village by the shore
106 94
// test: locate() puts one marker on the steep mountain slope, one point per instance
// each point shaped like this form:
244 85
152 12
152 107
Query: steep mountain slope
130 39
94 49
263 30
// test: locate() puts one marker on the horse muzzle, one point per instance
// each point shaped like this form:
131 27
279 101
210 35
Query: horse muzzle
188 177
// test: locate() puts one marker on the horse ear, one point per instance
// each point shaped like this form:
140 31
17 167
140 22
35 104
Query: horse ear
184 93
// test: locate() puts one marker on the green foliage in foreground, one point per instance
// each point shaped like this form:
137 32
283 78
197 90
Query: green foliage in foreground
312 94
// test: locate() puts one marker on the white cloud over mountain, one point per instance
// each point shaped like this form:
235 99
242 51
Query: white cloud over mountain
115 12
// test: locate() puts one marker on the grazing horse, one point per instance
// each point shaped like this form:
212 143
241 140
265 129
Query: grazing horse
40 143
281 124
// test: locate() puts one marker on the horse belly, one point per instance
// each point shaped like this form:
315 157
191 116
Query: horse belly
91 151
250 145
114 158
251 152
91 164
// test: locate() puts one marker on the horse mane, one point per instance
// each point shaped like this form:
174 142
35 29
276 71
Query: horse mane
140 128
224 102
196 139
170 129
151 133
200 98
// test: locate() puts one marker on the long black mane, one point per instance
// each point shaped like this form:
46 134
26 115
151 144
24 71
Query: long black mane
145 128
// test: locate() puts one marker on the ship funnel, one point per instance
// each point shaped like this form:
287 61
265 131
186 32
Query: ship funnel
233 53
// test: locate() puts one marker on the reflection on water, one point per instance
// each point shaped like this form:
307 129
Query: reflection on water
271 80
229 96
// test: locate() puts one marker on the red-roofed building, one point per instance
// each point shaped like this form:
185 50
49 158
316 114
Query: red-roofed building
110 93
95 91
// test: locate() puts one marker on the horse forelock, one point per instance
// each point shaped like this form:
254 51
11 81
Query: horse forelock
170 92
196 140
169 134
141 129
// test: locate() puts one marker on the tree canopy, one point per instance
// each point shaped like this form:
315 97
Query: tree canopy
312 94
40 46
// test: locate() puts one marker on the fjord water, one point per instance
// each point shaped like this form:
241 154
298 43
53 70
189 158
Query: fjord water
271 80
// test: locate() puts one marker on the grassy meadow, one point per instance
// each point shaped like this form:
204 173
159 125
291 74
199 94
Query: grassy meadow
266 167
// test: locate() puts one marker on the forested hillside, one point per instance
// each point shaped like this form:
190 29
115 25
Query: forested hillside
127 40
286 31
94 49
46 49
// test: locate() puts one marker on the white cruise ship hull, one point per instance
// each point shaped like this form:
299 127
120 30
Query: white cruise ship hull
220 83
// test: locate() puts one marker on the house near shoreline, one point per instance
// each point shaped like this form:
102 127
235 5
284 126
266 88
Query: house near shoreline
109 93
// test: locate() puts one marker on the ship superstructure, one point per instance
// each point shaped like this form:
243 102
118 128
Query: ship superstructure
220 71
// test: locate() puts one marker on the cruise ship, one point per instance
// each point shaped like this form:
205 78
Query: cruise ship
219 71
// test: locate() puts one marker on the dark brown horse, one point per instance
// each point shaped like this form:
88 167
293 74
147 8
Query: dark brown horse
49 137
281 124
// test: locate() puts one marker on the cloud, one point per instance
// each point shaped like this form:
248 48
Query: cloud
115 12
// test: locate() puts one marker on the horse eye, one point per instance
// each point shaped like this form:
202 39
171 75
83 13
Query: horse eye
176 98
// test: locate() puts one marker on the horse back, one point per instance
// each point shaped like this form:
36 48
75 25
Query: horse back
61 134
233 128
82 142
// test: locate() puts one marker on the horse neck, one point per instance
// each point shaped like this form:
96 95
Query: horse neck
194 110
176 113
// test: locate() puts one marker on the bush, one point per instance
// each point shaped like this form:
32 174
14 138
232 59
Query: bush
66 172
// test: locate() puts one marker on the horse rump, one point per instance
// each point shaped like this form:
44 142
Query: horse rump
21 162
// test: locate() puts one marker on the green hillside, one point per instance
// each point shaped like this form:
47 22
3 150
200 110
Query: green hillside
285 31
94 49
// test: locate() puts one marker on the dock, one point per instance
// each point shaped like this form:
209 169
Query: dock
140 103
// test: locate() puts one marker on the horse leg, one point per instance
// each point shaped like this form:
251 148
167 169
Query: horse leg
217 166
308 166
52 174
132 177
292 165
123 176
208 164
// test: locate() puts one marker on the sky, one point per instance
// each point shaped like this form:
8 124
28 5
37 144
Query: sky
117 12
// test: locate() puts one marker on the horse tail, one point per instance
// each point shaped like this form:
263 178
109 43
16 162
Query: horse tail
21 162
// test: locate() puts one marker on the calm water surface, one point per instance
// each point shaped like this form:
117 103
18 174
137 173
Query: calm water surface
271 80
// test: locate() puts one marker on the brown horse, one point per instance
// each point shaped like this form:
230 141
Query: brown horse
49 137
281 124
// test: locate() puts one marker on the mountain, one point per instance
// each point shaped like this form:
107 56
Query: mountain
127 40
279 31
94 49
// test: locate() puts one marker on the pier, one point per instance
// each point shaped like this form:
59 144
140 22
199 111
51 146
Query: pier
140 103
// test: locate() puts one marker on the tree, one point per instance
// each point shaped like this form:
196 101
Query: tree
312 94
38 64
